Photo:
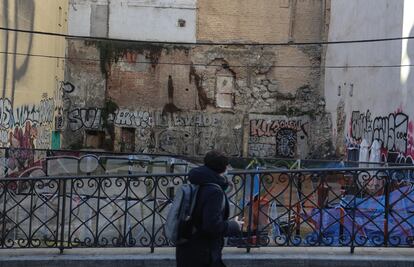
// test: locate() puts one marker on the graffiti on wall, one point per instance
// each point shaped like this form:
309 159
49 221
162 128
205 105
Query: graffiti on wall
187 119
195 133
280 136
133 118
186 133
19 127
85 118
39 114
391 130
395 133
91 118
27 126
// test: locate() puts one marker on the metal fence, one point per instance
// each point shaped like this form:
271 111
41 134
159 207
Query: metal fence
345 207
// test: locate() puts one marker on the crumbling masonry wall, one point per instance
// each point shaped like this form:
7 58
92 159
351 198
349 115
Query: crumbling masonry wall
190 99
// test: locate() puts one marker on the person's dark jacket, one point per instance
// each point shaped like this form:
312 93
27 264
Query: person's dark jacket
210 221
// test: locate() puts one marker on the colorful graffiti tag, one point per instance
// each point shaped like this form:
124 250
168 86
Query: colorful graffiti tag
280 136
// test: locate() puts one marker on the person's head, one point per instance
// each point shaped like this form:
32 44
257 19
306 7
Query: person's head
216 161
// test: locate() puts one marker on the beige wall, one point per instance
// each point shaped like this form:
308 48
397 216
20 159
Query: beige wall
29 84
260 20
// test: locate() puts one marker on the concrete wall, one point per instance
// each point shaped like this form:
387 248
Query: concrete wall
371 103
30 99
134 19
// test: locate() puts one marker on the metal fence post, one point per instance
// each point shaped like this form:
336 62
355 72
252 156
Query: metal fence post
353 207
251 199
126 233
62 195
387 210
155 181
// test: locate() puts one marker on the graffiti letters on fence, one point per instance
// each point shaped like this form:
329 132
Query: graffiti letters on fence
391 130
272 135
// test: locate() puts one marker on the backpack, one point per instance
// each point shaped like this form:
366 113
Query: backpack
181 210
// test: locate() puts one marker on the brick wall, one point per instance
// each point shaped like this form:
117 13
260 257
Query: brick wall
259 20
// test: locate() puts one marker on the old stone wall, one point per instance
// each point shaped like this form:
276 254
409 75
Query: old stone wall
190 99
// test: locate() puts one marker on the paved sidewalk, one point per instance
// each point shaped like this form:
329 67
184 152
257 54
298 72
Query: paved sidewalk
163 257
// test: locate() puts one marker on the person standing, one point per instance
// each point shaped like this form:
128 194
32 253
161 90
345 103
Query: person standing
210 223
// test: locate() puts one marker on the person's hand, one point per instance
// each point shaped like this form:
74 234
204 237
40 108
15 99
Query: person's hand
239 222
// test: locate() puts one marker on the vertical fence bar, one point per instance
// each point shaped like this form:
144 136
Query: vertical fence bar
62 189
125 240
387 210
243 204
155 181
341 222
69 240
353 207
58 214
298 205
321 204
32 185
289 234
98 207
259 206
251 199
3 230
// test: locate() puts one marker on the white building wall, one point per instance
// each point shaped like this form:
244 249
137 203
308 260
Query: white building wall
79 22
147 20
377 102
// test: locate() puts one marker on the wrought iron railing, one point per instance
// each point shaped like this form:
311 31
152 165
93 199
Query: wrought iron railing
343 207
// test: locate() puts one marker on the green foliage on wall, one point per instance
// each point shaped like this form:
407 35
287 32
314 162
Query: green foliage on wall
112 51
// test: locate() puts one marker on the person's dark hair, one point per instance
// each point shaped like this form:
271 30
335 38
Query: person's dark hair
216 161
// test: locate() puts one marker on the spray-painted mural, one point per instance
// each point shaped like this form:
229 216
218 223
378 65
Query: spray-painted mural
27 126
278 136
394 133
185 133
